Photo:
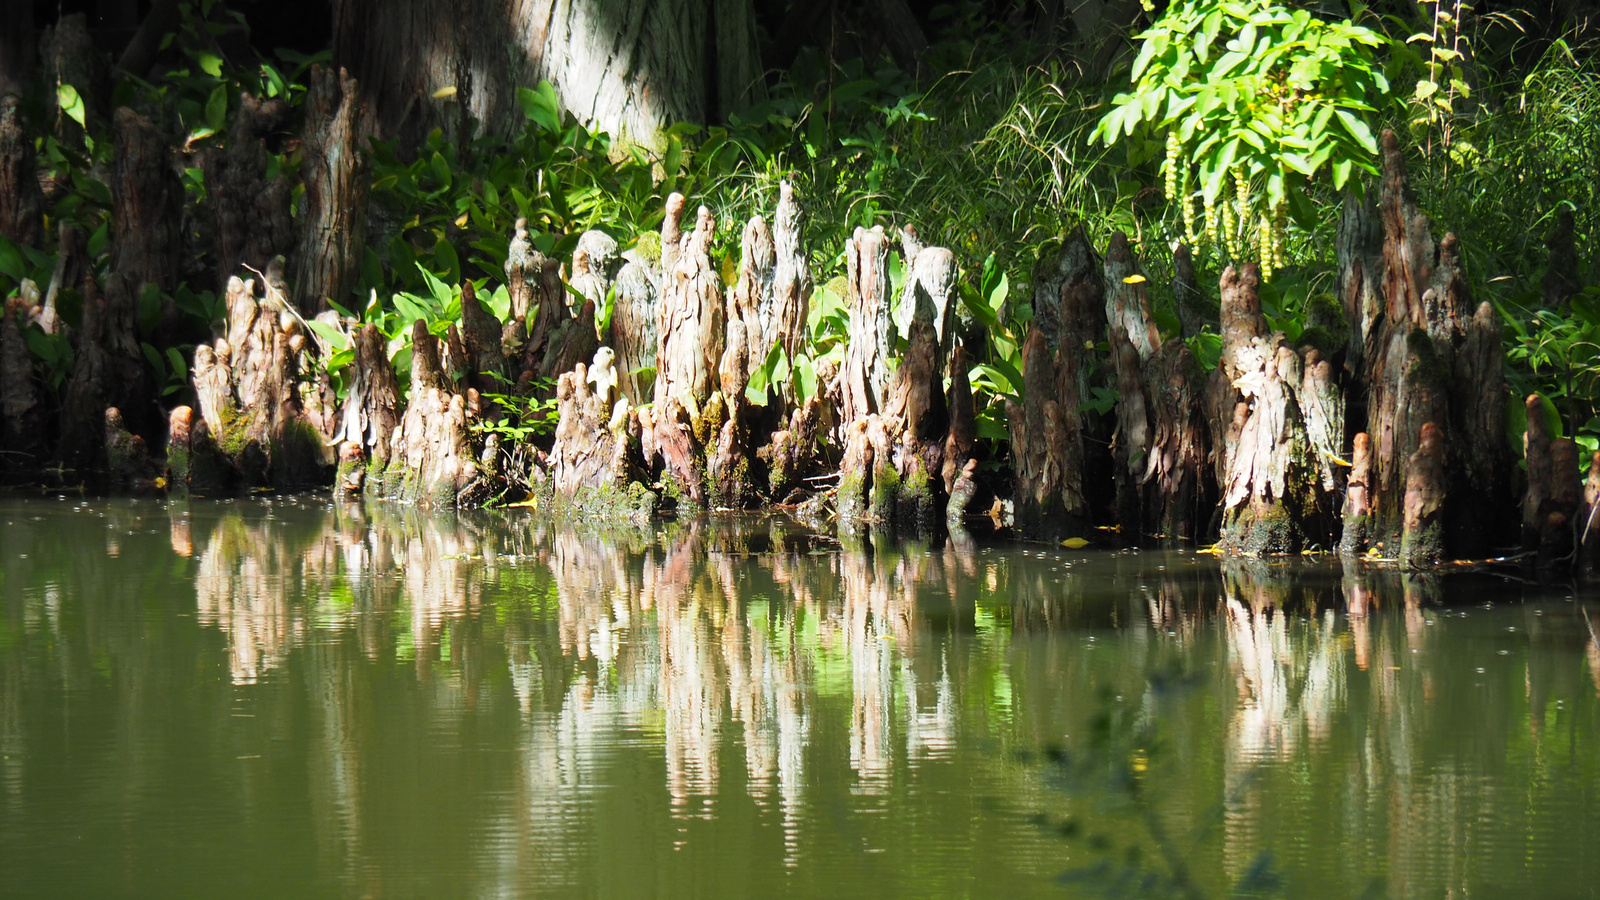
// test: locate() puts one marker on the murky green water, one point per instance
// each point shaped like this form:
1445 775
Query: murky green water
292 699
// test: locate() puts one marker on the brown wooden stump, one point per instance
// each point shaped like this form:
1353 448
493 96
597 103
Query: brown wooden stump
431 447
254 385
591 450
1551 503
864 378
1421 351
1274 499
328 261
594 265
1422 539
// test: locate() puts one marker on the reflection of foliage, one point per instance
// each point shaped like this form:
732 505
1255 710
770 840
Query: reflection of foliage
1112 770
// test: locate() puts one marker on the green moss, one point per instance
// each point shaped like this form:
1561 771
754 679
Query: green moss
1423 546
708 425
885 492
1321 339
1424 367
178 465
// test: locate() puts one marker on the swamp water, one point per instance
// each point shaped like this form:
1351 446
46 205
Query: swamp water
292 698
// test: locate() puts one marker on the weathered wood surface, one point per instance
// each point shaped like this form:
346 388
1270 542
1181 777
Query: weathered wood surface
690 320
786 316
591 450
251 225
22 431
864 378
253 386
1421 351
21 201
1551 502
146 203
1274 499
328 260
633 330
431 448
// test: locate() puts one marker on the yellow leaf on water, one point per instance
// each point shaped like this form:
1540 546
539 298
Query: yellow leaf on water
1075 543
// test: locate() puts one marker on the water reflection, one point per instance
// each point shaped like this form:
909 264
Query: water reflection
461 704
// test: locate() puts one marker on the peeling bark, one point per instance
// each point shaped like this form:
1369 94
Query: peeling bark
1128 298
1272 496
689 317
633 330
864 379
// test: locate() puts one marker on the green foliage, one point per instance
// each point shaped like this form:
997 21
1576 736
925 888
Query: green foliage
1561 354
1254 99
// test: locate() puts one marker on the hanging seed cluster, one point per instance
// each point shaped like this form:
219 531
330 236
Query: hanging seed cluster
1234 223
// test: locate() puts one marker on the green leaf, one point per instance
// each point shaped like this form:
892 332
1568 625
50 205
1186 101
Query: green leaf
210 63
71 104
1358 130
217 108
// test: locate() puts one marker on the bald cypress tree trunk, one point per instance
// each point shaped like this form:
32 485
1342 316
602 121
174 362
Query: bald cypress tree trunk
629 67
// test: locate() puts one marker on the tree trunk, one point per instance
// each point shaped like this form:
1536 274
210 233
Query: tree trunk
630 68
21 413
249 212
334 210
146 204
21 202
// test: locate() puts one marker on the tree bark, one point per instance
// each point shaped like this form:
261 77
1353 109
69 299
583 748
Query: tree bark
864 380
249 212
146 204
328 261
21 201
630 68
21 411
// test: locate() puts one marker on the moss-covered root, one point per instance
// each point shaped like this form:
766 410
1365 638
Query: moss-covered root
1258 528
961 494
352 473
